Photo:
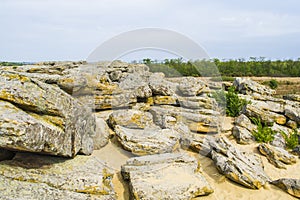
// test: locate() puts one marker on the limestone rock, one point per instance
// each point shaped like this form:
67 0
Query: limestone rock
292 113
190 86
241 167
39 117
159 85
165 100
277 156
30 176
293 97
151 140
243 121
197 102
242 135
291 124
131 119
291 186
102 134
247 86
165 176
265 116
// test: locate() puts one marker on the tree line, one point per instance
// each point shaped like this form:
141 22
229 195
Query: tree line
216 67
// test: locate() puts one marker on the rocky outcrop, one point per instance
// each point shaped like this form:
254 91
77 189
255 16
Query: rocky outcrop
102 134
291 186
242 130
277 156
38 117
43 177
190 86
165 176
247 86
241 167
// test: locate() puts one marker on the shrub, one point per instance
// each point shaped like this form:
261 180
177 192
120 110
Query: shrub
263 133
273 84
291 140
230 100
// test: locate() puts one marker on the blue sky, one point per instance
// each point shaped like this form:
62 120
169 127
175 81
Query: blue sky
35 30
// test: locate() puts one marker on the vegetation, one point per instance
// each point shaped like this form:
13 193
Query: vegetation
230 100
291 140
232 68
263 133
11 64
273 84
222 78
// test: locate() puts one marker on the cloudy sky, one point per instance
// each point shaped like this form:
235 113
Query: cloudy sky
35 30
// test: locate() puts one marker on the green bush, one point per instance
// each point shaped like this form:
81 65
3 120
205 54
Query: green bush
291 140
263 133
273 84
230 100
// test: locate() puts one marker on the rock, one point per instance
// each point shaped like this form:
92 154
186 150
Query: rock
151 140
241 167
131 119
296 150
292 97
165 100
30 176
247 86
291 186
190 86
39 117
243 121
292 124
242 135
159 85
6 154
102 134
197 102
115 101
165 176
292 113
265 116
278 140
143 92
198 120
115 75
277 156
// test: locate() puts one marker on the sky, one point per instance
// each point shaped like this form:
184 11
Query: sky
40 30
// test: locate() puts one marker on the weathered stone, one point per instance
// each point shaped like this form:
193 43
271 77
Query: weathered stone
265 116
292 113
102 135
190 86
103 102
143 92
151 140
293 97
247 86
241 167
243 121
159 85
6 154
242 135
36 176
131 119
165 100
291 186
291 124
115 75
39 117
197 102
165 176
277 156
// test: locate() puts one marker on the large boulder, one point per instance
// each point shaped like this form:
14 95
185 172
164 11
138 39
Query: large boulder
151 140
291 186
31 176
38 117
277 156
165 176
241 167
190 86
102 134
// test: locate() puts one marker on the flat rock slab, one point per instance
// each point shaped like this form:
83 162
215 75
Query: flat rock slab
277 156
291 186
30 176
165 176
151 140
241 167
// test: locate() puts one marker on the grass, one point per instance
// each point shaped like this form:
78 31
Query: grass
291 140
263 133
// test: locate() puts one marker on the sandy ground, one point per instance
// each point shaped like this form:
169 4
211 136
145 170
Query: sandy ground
114 156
